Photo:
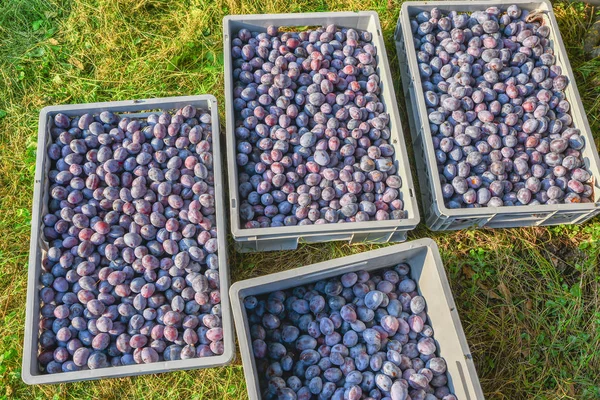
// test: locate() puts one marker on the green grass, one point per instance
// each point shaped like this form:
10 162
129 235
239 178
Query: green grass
528 298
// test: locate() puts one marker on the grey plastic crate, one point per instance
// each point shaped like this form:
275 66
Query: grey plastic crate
426 269
38 246
438 217
287 238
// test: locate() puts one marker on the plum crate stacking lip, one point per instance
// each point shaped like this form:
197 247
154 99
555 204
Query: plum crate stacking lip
426 269
287 238
438 217
136 108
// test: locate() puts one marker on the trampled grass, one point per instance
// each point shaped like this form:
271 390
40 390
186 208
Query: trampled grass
529 298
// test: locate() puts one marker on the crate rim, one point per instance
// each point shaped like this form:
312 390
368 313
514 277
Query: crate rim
438 201
244 235
32 306
334 267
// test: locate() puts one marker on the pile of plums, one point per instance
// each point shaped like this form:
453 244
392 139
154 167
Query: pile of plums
501 123
312 135
131 273
359 335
